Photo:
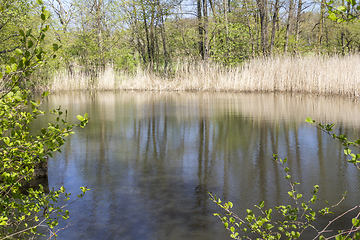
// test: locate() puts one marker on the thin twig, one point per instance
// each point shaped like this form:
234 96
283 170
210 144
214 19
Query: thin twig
330 222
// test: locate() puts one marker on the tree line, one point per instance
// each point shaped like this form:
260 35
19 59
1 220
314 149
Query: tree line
156 33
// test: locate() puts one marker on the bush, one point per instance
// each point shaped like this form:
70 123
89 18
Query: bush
24 211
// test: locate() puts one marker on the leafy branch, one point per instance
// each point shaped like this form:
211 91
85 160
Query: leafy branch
328 129
295 218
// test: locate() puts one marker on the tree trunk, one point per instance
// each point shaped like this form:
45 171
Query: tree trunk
249 27
342 43
201 31
152 37
273 31
262 5
146 33
99 32
140 47
206 35
297 26
163 38
321 23
226 21
291 2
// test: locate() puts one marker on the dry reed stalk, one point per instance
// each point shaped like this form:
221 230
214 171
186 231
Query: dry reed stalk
316 74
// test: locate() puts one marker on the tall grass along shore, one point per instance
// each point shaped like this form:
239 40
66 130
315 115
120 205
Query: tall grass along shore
324 75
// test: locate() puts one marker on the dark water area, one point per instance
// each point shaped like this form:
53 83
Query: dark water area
150 159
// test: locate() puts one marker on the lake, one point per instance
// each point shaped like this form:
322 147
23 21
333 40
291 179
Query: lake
150 158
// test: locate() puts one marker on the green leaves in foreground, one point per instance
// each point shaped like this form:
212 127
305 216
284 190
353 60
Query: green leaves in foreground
294 218
342 13
29 53
309 120
328 129
24 211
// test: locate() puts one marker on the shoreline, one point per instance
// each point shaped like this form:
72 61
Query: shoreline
318 75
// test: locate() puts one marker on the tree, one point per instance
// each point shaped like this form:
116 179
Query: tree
24 210
288 25
343 13
13 14
263 8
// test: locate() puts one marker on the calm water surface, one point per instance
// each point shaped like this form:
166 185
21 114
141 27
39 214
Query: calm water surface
150 158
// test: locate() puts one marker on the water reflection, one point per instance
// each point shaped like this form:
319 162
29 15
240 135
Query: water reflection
150 158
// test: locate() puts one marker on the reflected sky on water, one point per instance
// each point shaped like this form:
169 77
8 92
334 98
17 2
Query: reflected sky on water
150 159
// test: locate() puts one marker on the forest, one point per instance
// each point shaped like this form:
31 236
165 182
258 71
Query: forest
158 35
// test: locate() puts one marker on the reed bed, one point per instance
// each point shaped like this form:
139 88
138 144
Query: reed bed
324 75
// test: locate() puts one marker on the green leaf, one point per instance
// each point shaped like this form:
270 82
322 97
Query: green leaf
45 28
309 120
18 51
342 8
45 15
14 67
39 50
80 118
8 69
30 44
262 203
55 47
332 16
347 151
269 226
352 2
22 33
268 213
356 222
6 140
44 94
3 221
234 235
28 32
